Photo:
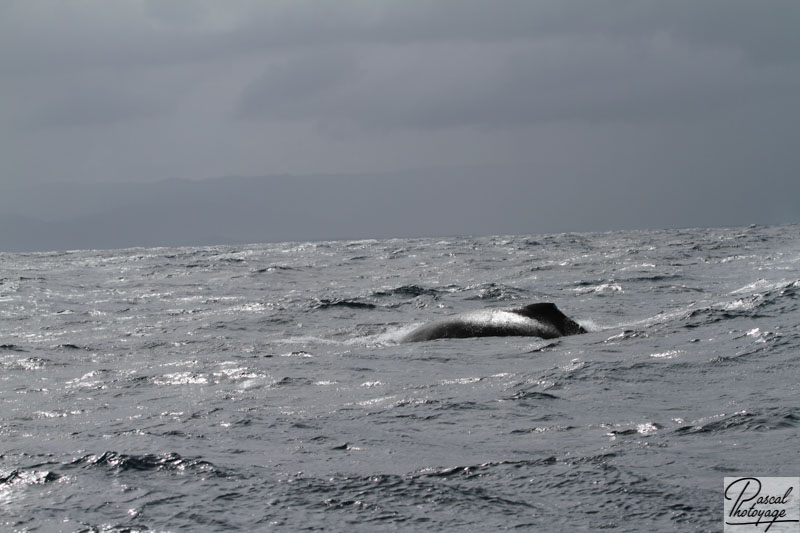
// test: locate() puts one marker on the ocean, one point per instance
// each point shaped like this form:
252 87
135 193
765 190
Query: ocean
263 387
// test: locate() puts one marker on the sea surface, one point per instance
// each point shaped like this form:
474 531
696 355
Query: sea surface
263 387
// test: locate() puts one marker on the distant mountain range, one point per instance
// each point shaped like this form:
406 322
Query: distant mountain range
238 210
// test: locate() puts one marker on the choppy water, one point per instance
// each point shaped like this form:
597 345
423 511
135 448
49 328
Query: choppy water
260 387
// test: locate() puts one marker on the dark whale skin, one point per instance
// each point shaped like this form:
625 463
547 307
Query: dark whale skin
543 320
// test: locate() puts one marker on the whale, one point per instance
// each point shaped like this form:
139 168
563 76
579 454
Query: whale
543 320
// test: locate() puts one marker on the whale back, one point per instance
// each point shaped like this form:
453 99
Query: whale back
543 320
548 313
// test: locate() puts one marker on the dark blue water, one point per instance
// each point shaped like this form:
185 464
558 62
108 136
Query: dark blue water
262 387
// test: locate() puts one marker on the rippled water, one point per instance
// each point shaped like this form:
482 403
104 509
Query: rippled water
249 388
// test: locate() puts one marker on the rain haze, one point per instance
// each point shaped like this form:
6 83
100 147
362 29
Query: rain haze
138 123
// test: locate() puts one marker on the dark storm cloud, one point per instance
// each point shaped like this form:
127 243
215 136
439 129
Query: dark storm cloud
94 106
418 64
63 35
444 85
448 64
303 85
584 100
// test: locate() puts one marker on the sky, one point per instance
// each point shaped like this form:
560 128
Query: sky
646 100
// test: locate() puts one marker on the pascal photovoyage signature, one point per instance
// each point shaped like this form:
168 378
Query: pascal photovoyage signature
764 508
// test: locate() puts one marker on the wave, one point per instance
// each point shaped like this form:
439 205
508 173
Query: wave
28 363
407 290
28 477
495 292
757 300
12 348
770 419
70 346
272 268
778 299
325 303
170 462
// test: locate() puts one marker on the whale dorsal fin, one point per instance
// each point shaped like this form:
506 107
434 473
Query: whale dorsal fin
548 312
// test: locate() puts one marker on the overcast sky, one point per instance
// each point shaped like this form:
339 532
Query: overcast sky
636 96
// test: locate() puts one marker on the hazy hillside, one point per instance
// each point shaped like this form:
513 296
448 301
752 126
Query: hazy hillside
287 208
243 210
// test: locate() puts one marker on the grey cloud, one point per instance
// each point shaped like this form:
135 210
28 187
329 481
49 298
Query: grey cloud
455 62
94 97
94 107
294 88
163 33
579 100
495 85
763 32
